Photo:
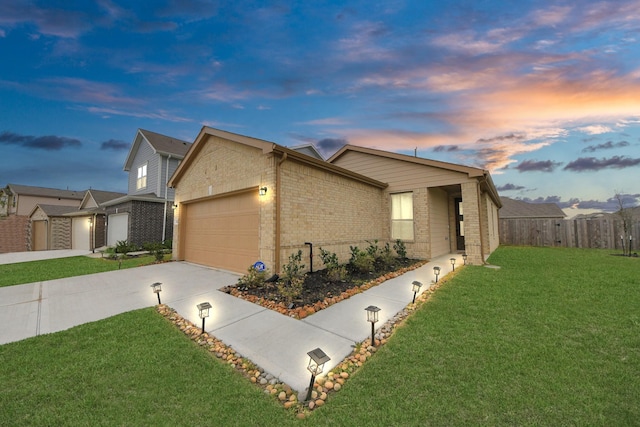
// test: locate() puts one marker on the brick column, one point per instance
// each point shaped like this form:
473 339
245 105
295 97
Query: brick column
472 218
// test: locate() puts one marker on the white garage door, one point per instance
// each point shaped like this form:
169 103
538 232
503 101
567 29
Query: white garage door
117 228
80 233
223 232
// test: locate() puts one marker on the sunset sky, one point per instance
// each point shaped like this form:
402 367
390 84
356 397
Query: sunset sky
543 94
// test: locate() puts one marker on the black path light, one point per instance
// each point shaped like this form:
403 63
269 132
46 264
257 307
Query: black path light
203 312
415 287
372 316
453 263
157 288
317 359
436 271
464 258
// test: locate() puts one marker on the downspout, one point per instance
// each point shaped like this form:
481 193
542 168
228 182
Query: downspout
277 212
480 215
166 199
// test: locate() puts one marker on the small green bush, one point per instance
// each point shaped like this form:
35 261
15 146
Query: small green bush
360 261
290 286
253 279
293 268
400 248
290 289
122 247
155 249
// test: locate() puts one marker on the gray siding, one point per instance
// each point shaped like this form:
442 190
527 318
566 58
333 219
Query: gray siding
144 155
164 177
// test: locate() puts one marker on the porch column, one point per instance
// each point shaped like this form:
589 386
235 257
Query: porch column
472 226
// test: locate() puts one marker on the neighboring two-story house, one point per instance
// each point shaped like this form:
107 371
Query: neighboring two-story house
145 213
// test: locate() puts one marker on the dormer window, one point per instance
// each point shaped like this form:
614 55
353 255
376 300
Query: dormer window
142 177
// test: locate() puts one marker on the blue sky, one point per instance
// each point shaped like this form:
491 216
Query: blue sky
544 94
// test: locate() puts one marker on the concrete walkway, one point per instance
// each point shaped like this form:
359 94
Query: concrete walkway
275 342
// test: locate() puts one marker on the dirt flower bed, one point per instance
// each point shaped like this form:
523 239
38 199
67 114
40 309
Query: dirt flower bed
318 291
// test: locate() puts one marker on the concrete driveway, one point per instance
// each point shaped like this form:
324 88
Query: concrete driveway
55 305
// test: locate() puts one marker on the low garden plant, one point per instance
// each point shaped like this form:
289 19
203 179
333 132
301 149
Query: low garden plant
298 289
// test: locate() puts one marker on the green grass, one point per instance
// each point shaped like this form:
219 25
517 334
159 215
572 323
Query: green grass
37 271
133 369
552 338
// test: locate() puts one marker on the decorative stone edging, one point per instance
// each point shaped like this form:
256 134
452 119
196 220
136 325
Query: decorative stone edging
324 386
307 310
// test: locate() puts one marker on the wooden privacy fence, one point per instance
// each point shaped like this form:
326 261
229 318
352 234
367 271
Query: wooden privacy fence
598 233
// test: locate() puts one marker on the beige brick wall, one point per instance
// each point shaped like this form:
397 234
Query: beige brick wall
471 208
331 211
221 167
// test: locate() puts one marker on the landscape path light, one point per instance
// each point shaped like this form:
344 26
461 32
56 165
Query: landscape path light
415 287
372 316
317 359
464 258
203 312
436 271
453 263
157 288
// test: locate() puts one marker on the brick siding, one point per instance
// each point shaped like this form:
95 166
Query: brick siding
15 231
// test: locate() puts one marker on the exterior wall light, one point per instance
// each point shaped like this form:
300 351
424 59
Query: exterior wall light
317 359
262 191
203 312
415 287
174 207
453 263
464 258
372 316
436 271
157 288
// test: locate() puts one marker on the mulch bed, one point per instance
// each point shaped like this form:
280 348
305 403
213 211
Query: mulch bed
318 291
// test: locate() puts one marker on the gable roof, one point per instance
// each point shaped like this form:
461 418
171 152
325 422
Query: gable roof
266 147
512 208
28 190
308 149
483 176
161 144
101 197
54 210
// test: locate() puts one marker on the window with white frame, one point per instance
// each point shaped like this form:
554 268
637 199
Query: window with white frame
402 216
142 177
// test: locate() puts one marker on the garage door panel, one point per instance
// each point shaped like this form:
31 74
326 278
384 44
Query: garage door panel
117 228
223 232
80 233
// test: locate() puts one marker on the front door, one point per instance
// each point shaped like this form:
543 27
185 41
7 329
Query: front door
459 225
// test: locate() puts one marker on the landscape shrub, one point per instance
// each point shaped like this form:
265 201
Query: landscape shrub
335 271
156 249
123 247
360 261
253 279
290 286
400 248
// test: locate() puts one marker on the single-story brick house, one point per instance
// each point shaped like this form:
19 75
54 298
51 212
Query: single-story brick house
241 200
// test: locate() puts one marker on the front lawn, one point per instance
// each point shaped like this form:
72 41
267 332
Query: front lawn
50 269
551 338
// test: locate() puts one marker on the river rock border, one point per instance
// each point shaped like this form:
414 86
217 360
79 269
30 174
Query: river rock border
324 386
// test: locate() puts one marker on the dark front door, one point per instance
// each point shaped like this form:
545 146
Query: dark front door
459 225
